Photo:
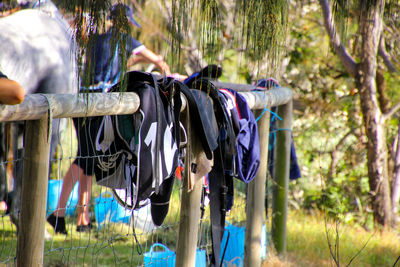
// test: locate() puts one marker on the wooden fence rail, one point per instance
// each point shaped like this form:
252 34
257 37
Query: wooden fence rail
38 109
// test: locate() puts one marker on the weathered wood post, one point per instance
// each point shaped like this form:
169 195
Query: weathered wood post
34 193
34 109
189 221
281 177
255 198
257 100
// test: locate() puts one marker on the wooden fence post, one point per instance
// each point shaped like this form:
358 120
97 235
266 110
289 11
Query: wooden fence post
255 198
32 219
189 220
281 177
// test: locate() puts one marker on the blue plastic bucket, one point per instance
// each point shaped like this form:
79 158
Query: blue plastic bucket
235 236
201 258
233 240
107 209
164 258
167 257
53 194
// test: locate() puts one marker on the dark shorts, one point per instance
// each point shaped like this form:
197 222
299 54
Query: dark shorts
86 130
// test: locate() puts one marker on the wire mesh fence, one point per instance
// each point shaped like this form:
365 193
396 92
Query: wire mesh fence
119 236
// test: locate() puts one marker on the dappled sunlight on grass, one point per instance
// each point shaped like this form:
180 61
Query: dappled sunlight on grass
112 243
115 243
307 243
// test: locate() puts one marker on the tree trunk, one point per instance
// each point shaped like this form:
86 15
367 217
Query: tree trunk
371 27
396 179
384 101
393 149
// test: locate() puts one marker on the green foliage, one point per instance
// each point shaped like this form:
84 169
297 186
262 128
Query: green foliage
256 27
263 25
210 25
393 86
342 199
328 128
327 125
341 13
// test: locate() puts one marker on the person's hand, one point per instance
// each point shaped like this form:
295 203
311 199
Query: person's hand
11 92
164 68
148 56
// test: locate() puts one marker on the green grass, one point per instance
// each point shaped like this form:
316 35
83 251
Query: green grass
112 245
307 244
115 245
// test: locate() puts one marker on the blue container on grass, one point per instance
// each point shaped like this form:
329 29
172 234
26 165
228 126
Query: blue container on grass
233 240
200 258
107 209
163 258
167 257
53 194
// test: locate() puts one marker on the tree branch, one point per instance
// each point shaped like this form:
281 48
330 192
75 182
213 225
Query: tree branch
333 254
358 252
391 111
338 147
385 56
346 59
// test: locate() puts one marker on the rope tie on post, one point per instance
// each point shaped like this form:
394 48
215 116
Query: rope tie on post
50 118
266 109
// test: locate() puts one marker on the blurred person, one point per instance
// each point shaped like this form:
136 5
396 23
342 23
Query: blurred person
102 70
39 52
11 92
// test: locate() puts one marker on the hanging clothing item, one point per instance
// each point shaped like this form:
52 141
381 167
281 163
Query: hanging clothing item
295 172
200 165
203 120
247 158
171 98
220 176
218 195
137 155
103 66
211 72
203 138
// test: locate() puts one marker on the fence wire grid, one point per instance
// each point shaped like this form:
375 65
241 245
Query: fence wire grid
122 240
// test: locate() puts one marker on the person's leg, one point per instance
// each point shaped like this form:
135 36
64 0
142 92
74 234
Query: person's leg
87 132
57 218
73 174
85 185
